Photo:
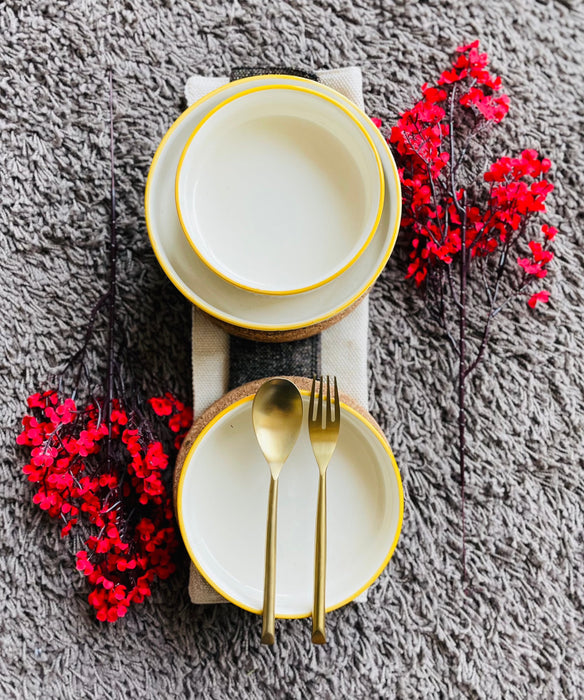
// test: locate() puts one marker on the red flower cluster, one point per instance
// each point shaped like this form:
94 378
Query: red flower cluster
122 496
180 417
438 216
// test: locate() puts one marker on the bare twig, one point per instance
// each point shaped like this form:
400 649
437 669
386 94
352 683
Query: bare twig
464 257
111 297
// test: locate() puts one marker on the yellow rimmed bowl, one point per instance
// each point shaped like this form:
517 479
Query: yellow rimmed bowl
228 303
279 189
221 504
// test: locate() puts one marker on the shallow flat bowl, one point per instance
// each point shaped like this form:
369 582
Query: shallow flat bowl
279 189
222 507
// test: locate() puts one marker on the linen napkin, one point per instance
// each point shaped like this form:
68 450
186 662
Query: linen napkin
221 362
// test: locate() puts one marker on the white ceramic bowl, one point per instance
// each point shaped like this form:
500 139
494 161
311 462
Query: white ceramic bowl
279 189
239 307
222 507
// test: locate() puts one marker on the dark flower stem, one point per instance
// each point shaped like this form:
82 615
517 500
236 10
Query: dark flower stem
111 295
462 389
78 359
462 310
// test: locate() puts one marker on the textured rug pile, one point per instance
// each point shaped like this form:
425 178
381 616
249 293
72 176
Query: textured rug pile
520 633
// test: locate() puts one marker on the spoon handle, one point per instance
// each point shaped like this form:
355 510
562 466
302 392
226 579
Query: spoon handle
268 624
318 628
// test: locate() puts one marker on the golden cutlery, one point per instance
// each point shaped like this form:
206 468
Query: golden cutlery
277 419
324 432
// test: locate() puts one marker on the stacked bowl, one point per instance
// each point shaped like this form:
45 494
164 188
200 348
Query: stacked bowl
273 204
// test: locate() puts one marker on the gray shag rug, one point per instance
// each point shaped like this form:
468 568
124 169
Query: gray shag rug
520 632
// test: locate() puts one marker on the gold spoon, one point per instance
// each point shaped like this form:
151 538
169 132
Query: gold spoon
277 418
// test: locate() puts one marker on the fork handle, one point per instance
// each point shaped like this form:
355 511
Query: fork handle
318 629
269 616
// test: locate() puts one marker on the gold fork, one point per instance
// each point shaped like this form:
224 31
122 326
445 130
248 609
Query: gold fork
324 433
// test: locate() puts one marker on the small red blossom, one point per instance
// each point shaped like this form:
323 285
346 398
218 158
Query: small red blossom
83 563
156 457
182 419
42 400
86 443
473 45
539 254
542 297
492 108
161 406
44 500
33 433
452 76
44 455
131 439
119 416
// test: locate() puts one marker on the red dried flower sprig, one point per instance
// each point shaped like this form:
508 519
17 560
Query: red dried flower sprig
466 227
438 209
125 501
100 464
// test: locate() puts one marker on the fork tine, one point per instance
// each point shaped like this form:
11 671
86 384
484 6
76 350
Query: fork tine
337 402
311 406
320 400
328 400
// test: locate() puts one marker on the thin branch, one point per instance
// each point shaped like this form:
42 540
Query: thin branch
113 251
452 171
520 290
464 258
79 356
455 296
486 285
482 347
443 321
472 136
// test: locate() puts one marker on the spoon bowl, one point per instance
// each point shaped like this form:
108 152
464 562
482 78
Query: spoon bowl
277 418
